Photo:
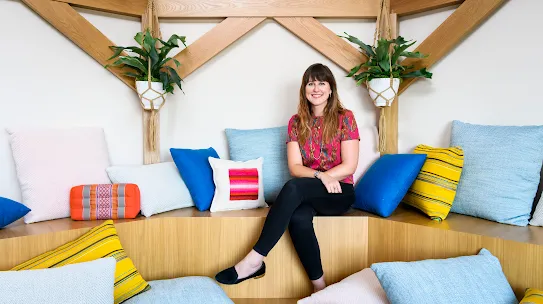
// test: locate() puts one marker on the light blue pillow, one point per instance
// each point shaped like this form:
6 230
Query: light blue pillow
468 279
187 290
10 211
270 144
197 174
501 171
386 182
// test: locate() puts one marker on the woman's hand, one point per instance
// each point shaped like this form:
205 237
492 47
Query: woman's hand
331 184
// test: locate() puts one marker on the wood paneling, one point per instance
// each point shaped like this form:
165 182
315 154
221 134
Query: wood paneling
123 7
407 7
264 301
324 40
212 43
81 32
450 33
268 8
397 241
163 248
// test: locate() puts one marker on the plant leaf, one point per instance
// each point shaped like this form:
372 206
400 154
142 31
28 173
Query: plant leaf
419 73
139 38
173 40
413 55
354 70
148 41
382 49
177 63
366 48
174 76
130 74
399 50
117 49
131 61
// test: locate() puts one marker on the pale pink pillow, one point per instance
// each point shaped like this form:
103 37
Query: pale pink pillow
368 152
361 287
49 162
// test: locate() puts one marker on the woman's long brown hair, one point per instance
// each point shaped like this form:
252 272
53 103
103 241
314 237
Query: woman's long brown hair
333 109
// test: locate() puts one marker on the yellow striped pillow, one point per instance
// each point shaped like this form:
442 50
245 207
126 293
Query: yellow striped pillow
100 242
434 189
532 296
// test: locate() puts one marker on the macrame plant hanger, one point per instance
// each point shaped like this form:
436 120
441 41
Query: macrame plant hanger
151 117
383 29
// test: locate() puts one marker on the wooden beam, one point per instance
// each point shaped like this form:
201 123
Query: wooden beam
268 8
123 7
81 32
408 7
213 42
324 40
391 113
450 33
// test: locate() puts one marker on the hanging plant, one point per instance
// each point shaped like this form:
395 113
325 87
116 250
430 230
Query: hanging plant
383 68
148 67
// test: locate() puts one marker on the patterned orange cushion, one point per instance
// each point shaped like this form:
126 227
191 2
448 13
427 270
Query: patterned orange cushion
104 201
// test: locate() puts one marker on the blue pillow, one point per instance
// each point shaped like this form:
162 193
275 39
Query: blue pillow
386 182
269 144
501 171
10 211
188 290
197 174
467 279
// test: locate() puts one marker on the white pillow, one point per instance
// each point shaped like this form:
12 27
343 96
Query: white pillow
537 218
87 282
161 186
238 185
368 150
361 287
50 161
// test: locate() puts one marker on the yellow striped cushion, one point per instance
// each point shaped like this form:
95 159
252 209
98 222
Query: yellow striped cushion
100 242
434 189
532 296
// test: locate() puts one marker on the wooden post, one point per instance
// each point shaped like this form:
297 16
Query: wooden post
391 112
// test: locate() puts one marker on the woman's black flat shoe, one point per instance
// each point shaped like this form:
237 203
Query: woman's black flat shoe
230 276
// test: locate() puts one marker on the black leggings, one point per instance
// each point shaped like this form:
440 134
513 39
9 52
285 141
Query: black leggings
297 203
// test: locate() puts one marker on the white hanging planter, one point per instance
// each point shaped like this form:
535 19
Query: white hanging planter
381 91
155 94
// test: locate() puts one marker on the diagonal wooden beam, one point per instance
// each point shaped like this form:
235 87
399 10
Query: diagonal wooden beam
408 7
213 42
81 32
123 7
324 40
450 33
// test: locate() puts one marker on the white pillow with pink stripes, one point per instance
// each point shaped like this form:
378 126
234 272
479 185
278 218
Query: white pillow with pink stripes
238 184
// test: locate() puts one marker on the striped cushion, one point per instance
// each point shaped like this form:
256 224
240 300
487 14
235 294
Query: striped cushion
100 242
104 201
532 296
434 189
243 184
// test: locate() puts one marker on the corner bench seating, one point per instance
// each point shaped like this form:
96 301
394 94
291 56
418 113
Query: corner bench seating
188 242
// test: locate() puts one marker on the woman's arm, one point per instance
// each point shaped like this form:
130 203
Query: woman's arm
349 160
295 164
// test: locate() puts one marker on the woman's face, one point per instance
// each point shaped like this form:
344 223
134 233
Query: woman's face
317 92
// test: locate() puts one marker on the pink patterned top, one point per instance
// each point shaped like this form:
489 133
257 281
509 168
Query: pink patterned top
319 156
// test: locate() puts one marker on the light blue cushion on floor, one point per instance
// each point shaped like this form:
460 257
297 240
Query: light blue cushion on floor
472 279
501 171
270 144
186 290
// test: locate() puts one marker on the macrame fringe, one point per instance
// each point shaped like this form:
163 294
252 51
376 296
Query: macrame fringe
382 131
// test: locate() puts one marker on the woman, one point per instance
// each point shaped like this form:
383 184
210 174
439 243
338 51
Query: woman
322 151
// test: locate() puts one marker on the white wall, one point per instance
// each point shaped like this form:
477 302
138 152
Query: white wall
47 81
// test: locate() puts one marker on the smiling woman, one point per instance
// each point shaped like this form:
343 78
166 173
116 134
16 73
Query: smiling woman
322 152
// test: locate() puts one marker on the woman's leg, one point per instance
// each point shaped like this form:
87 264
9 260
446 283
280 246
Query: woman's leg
302 232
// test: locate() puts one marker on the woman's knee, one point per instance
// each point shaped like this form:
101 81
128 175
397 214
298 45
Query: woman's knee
301 218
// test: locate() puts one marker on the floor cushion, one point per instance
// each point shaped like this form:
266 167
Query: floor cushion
186 290
361 287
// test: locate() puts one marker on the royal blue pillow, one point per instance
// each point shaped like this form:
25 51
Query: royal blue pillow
466 279
268 143
197 174
10 211
386 182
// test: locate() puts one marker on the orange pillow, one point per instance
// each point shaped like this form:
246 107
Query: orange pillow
104 201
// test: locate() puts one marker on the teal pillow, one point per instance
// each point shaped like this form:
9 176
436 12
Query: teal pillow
501 171
269 144
472 279
197 174
386 182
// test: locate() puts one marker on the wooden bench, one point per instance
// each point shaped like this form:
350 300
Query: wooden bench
188 242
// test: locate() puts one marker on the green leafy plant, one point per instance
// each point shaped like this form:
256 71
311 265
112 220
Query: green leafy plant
148 50
381 64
